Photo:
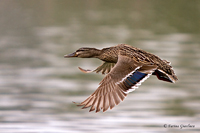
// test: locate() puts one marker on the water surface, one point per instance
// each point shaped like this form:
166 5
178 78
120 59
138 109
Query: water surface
37 85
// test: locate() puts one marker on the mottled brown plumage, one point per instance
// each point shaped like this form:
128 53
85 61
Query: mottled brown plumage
126 68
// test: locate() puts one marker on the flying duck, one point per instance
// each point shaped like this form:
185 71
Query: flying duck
126 67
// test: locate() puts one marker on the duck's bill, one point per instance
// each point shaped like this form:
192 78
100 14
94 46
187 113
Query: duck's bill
71 55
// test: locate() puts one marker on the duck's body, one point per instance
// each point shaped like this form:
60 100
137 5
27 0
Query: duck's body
126 68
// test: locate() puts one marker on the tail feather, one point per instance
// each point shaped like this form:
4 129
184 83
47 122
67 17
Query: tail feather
161 75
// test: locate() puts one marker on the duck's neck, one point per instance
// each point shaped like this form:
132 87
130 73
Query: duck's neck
96 53
108 55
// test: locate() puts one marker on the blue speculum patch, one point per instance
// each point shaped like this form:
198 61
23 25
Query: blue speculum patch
134 78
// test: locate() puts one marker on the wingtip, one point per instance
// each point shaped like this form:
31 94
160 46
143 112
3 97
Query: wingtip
84 71
91 109
77 104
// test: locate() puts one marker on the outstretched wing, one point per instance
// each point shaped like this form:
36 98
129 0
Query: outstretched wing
104 68
127 74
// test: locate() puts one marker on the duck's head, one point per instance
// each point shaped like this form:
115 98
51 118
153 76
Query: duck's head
84 52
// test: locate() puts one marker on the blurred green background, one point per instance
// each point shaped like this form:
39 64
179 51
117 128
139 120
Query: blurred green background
38 85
